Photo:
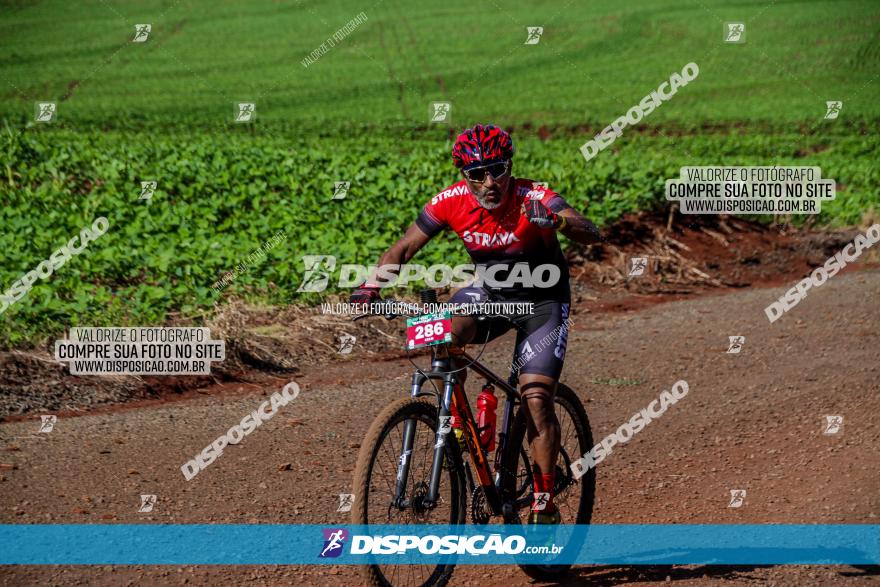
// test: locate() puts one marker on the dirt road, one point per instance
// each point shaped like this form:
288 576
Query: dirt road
752 421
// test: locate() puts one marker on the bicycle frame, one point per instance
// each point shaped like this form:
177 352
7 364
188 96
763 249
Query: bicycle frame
441 365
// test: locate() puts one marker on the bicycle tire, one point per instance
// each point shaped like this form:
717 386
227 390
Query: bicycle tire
569 400
393 415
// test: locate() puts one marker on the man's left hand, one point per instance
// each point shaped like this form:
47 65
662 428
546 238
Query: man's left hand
539 215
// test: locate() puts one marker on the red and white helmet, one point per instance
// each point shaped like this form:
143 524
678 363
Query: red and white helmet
482 144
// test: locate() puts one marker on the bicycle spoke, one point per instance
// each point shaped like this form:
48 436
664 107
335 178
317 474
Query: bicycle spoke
422 448
567 500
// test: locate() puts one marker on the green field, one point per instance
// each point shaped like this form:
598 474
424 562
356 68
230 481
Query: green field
594 61
163 110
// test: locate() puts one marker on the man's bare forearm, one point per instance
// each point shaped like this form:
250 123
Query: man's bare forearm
580 230
398 254
390 263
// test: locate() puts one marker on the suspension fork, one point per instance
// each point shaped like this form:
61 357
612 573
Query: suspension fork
481 461
444 427
409 434
441 364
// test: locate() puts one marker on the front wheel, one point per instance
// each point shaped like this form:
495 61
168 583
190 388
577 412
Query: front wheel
375 479
573 497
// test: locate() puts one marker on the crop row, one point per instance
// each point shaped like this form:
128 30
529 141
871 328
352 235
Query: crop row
220 198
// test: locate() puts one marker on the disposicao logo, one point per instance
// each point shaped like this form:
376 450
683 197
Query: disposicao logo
334 540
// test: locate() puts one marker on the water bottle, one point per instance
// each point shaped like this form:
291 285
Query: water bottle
486 418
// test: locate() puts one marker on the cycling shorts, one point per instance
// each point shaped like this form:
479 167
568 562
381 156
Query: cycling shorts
541 337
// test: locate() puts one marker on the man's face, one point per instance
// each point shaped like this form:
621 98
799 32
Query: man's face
492 190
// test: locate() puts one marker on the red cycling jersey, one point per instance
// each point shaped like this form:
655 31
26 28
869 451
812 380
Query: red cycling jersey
502 235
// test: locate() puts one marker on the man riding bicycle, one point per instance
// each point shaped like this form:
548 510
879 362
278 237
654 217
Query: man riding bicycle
504 222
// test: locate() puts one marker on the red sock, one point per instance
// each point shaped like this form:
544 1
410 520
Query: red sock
544 483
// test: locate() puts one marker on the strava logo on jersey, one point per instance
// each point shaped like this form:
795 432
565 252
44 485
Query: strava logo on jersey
459 190
489 240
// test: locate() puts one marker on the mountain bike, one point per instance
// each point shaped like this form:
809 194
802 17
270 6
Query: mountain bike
407 473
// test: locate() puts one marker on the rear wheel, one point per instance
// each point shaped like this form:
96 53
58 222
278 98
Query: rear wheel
376 475
573 497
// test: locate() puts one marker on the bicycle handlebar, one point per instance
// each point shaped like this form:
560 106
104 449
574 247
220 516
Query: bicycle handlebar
416 310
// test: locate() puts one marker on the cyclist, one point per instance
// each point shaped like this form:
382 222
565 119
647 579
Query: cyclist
506 221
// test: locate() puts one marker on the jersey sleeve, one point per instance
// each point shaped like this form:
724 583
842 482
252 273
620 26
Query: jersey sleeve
434 217
428 220
556 203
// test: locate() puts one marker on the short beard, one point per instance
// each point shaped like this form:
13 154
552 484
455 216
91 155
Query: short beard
487 205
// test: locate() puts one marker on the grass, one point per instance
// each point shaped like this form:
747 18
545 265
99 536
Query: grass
594 61
163 110
217 203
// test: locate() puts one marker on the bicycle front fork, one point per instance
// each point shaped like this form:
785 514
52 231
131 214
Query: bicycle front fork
409 432
444 427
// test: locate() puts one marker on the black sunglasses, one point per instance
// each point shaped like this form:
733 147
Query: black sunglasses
479 173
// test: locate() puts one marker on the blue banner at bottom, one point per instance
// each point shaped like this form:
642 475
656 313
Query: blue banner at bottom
258 544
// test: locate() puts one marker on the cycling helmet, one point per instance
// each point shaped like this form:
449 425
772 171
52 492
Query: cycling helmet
481 144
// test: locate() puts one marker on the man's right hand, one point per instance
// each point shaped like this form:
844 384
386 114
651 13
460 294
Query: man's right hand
365 294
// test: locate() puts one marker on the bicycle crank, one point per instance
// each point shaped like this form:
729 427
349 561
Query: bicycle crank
480 513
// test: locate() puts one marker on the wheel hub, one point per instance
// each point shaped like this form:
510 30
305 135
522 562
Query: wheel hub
419 503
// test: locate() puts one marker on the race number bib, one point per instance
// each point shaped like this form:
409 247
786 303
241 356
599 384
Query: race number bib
428 329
